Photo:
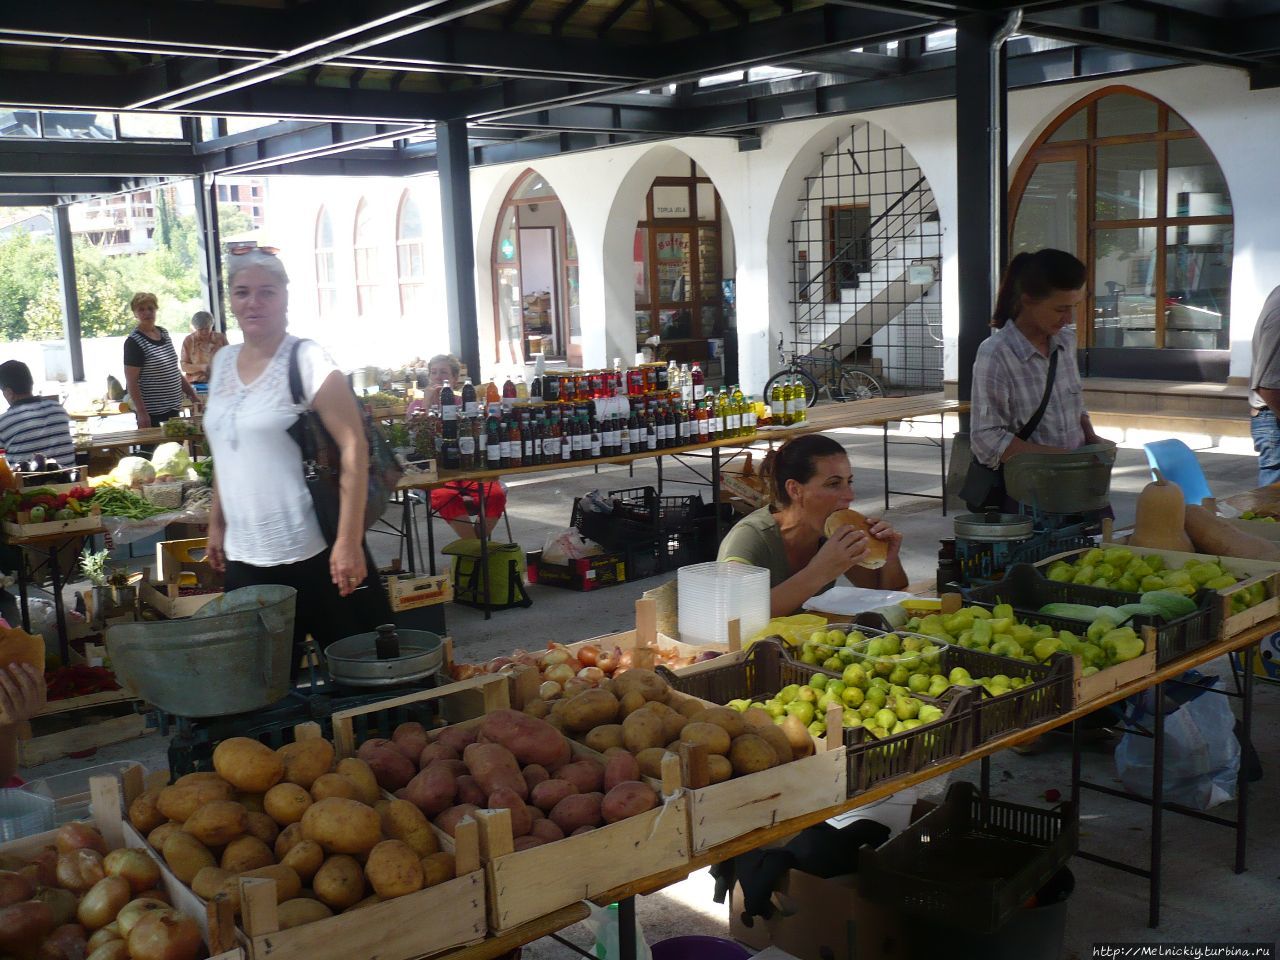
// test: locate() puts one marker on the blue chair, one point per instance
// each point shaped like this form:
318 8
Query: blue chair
1179 465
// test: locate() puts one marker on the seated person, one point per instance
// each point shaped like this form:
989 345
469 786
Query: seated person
792 539
32 424
199 347
22 695
458 502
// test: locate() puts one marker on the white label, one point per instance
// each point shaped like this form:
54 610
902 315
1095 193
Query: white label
482 440
577 441
466 445
635 437
786 407
472 409
717 425
495 455
566 450
668 431
735 422
528 449
449 412
699 391
651 440
506 449
624 443
595 445
704 429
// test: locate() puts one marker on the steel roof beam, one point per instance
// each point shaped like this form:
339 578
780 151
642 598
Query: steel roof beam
129 26
40 186
103 158
1140 27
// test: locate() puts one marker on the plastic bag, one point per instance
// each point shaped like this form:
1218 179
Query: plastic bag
603 924
1201 752
568 545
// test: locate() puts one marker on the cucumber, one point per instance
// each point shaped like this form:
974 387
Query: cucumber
1071 611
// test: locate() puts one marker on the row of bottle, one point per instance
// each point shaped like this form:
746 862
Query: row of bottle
789 402
563 433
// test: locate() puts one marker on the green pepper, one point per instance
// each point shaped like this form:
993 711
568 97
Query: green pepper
37 514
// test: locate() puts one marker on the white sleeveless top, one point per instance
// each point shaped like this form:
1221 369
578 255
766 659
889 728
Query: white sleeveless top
269 515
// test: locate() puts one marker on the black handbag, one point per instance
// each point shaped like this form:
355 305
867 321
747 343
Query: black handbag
984 486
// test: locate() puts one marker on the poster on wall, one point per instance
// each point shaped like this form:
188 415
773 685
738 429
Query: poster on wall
671 203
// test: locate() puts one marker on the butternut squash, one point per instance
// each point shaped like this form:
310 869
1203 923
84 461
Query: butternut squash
1214 536
1161 517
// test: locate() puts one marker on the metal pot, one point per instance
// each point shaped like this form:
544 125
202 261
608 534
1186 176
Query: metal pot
993 527
354 660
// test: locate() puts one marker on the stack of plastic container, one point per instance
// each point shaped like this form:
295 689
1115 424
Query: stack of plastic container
712 594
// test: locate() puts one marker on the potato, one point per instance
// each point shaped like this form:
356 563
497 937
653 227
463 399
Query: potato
342 826
143 812
247 764
470 791
304 760
586 775
288 883
521 820
339 883
458 738
719 768
650 762
332 785
23 926
546 831
158 836
534 774
438 868
252 802
434 789
710 735
537 707
589 709
285 803
798 737
403 821
181 800
627 799
777 741
217 824
618 768
305 859
436 751
577 810
672 722
603 737
209 881
247 853
629 703
361 775
186 856
289 838
685 705
639 680
301 910
410 738
550 792
751 753
200 776
391 767
529 739
262 827
725 717
643 730
394 870
448 821
494 766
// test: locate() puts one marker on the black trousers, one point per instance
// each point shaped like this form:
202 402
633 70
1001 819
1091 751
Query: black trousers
321 611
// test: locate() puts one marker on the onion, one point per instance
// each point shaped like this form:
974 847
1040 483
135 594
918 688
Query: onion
608 662
165 935
561 673
549 690
627 660
465 671
592 675
496 664
589 654
554 657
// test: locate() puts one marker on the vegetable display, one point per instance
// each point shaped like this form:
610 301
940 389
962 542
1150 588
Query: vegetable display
567 672
79 680
42 504
121 502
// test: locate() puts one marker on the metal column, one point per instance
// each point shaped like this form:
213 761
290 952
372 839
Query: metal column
459 256
209 237
70 295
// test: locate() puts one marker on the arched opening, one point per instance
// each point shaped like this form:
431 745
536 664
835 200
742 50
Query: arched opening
1124 183
535 277
326 283
410 257
683 268
366 253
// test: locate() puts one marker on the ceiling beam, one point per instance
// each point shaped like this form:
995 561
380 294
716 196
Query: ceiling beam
614 16
96 157
1140 27
14 186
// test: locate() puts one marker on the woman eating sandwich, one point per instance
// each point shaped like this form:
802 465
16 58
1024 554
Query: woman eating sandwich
809 537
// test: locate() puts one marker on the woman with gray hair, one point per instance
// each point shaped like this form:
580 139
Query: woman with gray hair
263 526
199 347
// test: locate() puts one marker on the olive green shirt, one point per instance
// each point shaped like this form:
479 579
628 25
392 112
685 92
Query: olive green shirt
756 539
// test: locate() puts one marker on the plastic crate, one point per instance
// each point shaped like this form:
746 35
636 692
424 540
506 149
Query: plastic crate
69 792
983 563
764 670
644 559
679 548
971 863
643 505
1027 591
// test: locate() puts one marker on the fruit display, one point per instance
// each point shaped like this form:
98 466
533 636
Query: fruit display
77 898
321 830
1260 517
44 504
1119 568
508 760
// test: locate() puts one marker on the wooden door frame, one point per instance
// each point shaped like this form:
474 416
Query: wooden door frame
832 294
555 281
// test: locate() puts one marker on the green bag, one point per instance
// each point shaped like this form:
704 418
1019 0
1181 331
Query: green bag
506 575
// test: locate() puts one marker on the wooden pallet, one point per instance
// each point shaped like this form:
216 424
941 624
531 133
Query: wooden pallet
83 723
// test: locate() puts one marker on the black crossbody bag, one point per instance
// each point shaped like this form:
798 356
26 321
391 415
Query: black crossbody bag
984 486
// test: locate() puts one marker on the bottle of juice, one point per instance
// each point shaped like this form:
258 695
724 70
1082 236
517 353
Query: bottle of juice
799 402
778 401
699 382
508 394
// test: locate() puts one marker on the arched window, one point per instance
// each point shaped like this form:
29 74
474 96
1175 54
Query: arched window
366 261
326 288
1124 183
410 255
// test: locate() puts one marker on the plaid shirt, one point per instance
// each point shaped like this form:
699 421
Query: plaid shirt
1008 383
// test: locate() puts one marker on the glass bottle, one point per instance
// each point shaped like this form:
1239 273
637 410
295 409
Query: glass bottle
492 399
466 447
650 432
597 439
494 444
508 394
522 389
704 422
699 382
777 400
470 406
799 402
526 441
449 412
517 442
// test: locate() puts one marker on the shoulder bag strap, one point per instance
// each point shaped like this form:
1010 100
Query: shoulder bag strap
295 375
1029 427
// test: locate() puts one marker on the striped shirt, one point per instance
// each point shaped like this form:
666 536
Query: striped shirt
37 425
1008 384
161 379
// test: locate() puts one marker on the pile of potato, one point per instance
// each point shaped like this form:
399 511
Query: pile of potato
508 760
76 900
322 832
639 715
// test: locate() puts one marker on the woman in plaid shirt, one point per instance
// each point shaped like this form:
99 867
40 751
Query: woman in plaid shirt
1034 316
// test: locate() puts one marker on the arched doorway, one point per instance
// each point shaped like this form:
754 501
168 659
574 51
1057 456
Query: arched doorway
535 277
683 267
1124 183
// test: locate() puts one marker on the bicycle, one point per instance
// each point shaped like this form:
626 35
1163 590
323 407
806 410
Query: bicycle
841 382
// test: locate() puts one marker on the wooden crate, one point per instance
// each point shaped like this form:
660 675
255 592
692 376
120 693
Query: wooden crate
18 530
177 557
1104 681
83 723
646 639
408 592
166 600
1254 571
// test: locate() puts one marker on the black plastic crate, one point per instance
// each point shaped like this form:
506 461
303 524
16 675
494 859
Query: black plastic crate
679 548
1027 591
764 670
644 505
613 531
644 559
971 863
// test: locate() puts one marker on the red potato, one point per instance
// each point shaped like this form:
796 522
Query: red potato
546 830
457 738
527 843
433 790
469 791
586 775
14 887
550 792
521 821
494 766
456 767
534 774
23 926
581 830
448 821
529 739
620 768
577 810
391 767
628 799
436 751
410 739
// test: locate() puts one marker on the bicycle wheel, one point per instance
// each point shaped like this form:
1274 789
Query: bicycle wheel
859 385
784 376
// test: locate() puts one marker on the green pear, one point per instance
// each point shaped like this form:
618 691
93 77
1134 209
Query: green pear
918 683
959 675
788 693
854 675
836 686
886 718
776 708
852 696
868 710
819 681
833 663
900 674
802 710
929 713
739 705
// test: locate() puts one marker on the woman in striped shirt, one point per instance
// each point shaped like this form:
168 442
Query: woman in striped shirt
151 372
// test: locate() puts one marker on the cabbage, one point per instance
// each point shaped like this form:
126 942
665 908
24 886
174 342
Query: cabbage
170 460
132 471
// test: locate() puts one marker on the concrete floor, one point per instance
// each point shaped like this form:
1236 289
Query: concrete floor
1203 900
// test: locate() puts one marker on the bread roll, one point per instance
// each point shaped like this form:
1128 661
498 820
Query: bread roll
877 550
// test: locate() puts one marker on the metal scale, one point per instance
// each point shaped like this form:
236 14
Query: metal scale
1063 499
225 673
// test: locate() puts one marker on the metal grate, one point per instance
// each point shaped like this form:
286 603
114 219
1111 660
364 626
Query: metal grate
866 264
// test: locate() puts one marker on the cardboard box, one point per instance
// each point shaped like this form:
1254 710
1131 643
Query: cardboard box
821 919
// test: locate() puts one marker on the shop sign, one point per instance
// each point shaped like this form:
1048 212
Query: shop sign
671 203
507 248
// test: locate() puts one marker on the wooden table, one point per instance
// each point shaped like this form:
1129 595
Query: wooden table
782 831
127 439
